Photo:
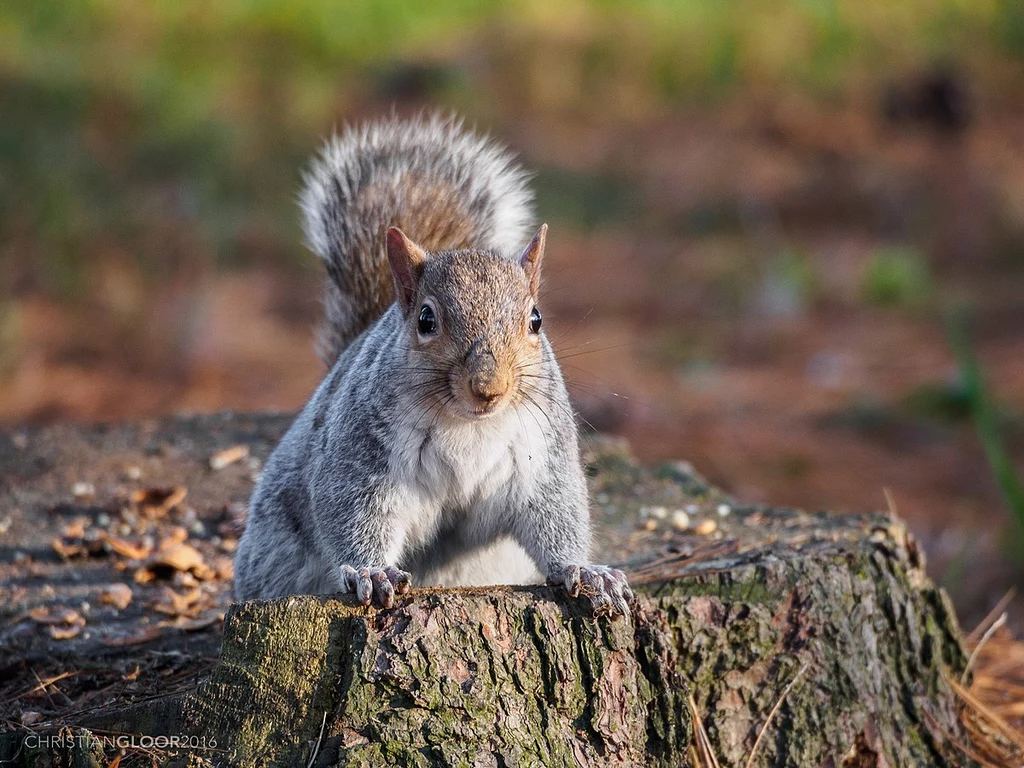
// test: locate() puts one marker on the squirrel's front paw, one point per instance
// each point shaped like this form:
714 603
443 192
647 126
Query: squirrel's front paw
606 588
377 585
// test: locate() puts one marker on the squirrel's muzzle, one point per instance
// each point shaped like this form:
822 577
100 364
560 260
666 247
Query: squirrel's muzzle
488 381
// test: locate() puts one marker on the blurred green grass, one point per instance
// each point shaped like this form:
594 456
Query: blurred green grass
177 130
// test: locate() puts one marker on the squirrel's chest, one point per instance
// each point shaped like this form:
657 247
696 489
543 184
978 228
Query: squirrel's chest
461 465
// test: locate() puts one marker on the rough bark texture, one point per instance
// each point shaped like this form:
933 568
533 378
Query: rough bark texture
522 677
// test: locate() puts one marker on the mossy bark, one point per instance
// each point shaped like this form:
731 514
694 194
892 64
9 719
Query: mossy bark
526 677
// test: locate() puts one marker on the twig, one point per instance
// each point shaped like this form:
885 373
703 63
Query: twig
981 644
703 742
316 751
767 722
991 616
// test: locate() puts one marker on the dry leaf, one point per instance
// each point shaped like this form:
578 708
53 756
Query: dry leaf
228 456
118 595
56 614
172 603
67 550
174 556
179 557
64 633
157 502
124 548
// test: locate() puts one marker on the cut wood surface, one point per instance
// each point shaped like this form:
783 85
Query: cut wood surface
816 637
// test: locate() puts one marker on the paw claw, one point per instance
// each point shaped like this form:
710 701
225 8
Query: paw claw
606 588
375 585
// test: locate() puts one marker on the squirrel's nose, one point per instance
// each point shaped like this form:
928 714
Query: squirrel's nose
487 388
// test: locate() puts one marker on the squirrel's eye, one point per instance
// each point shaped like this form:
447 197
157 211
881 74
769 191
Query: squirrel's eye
535 320
428 320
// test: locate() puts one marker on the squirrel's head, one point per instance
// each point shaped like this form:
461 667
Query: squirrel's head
471 322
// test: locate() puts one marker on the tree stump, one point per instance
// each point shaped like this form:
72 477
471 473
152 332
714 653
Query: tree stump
816 637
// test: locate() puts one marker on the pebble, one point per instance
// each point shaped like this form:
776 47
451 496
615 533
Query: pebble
680 520
83 490
133 472
650 525
724 510
707 527
103 520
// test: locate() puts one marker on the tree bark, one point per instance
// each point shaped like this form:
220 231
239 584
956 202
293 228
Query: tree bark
826 621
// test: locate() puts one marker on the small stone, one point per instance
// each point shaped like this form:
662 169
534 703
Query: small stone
659 513
724 510
133 472
20 441
692 509
83 490
103 520
650 525
680 520
21 557
706 527
197 528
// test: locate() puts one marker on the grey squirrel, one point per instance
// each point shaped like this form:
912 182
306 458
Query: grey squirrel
440 448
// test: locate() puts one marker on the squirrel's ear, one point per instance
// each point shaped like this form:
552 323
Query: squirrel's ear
532 256
406 260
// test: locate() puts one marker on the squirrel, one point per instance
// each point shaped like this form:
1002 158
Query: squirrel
441 446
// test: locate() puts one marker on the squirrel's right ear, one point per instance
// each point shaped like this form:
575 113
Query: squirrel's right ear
532 256
406 260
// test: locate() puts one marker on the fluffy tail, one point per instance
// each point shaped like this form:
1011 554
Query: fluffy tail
442 185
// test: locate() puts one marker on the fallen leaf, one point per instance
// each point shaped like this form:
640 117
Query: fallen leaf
174 556
179 557
64 633
125 548
67 550
157 502
118 595
172 603
228 456
56 614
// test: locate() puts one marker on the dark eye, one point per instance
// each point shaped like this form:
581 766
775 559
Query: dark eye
428 320
535 321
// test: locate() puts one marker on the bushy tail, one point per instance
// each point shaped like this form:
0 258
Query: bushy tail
442 185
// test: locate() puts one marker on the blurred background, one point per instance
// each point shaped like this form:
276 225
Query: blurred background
787 238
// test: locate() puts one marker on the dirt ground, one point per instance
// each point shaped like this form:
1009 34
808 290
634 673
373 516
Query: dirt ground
682 321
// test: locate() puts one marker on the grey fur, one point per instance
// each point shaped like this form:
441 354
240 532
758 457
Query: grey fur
381 472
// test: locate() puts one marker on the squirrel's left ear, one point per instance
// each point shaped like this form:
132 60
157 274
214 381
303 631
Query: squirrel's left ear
532 256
